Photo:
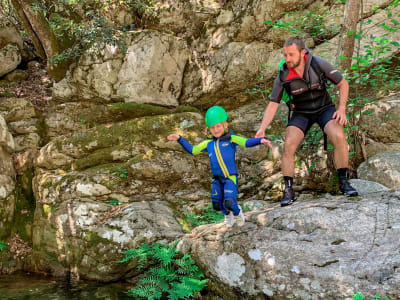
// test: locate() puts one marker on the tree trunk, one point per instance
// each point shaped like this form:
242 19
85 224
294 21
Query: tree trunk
42 36
25 22
346 42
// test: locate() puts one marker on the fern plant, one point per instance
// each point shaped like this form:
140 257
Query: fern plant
171 274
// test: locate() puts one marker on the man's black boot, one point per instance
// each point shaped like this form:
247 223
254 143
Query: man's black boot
344 186
288 193
288 196
346 189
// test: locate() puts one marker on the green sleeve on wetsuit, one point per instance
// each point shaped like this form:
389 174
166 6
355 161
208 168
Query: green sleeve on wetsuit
200 147
241 141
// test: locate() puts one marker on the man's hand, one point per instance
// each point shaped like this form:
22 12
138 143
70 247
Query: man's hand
340 117
266 143
173 137
260 133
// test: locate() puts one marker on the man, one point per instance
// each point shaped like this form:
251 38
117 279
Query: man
304 82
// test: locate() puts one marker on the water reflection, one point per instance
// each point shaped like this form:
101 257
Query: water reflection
33 287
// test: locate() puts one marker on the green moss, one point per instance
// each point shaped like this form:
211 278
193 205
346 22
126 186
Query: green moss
7 94
96 144
24 207
332 185
94 239
184 108
99 157
46 210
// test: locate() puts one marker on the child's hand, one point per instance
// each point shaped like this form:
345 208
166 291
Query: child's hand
173 137
266 143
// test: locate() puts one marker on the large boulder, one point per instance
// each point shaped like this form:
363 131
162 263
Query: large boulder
151 72
10 58
327 248
101 191
383 168
380 126
25 129
11 45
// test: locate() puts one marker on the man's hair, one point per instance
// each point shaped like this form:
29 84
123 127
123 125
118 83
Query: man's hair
295 40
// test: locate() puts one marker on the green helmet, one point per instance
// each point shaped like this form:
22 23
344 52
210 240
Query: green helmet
215 115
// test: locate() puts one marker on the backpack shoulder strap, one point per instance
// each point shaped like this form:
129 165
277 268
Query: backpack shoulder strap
317 68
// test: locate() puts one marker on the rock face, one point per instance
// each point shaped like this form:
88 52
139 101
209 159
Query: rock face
382 127
151 72
7 183
328 248
210 60
10 58
383 168
100 192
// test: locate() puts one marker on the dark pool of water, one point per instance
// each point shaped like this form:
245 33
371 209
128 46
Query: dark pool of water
33 287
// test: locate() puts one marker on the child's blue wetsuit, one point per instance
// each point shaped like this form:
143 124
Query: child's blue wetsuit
221 153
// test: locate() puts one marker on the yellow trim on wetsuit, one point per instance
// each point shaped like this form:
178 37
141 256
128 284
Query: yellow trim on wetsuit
200 147
220 160
241 141
233 178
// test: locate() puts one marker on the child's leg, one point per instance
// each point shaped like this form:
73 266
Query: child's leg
217 197
230 195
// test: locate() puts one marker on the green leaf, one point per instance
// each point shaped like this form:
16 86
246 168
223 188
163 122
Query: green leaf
351 32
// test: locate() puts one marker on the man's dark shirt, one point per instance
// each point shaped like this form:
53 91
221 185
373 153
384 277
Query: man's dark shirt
308 91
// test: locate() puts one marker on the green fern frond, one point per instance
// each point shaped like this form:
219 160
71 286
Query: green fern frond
149 291
165 255
171 273
149 280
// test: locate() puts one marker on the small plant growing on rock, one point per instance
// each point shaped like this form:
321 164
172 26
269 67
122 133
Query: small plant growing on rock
2 245
171 274
359 296
207 216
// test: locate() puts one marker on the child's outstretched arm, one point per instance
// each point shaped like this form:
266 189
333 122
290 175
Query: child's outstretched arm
197 149
251 142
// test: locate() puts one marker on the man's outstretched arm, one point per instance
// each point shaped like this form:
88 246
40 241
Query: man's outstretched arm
268 116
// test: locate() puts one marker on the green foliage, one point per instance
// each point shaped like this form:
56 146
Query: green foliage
171 274
206 216
3 245
359 296
310 23
88 26
121 172
115 202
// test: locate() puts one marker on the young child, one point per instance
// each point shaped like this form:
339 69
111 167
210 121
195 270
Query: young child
221 150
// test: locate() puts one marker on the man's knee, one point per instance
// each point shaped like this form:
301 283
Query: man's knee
289 148
338 137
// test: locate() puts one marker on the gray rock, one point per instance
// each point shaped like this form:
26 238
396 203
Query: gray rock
364 187
383 168
320 249
10 58
17 76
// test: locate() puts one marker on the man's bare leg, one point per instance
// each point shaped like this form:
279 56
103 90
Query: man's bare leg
293 138
336 135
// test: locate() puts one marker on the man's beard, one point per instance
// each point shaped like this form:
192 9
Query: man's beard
295 65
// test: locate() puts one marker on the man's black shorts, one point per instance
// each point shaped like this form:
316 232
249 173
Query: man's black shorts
305 121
